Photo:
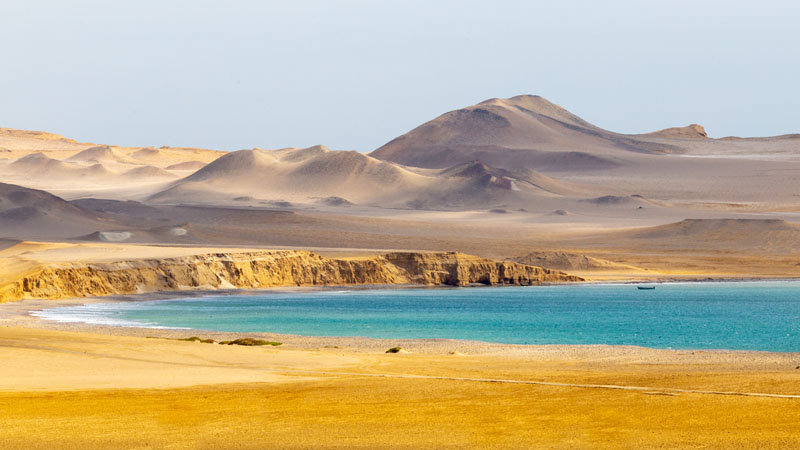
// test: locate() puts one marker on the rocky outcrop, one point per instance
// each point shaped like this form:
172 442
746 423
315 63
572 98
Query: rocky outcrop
693 131
457 269
269 269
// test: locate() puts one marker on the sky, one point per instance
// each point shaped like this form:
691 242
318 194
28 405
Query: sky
355 74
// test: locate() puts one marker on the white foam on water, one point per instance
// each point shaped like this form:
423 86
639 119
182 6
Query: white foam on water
95 314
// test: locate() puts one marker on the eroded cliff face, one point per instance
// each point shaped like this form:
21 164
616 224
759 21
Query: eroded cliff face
269 269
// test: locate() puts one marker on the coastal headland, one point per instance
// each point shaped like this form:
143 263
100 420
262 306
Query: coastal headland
253 270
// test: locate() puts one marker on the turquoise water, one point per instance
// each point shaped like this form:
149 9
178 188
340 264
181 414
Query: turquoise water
743 316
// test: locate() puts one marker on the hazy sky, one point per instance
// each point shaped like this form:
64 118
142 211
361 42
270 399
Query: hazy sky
355 74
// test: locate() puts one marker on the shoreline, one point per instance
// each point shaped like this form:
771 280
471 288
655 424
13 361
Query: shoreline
77 385
21 315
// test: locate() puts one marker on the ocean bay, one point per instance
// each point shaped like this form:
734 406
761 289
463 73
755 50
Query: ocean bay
761 315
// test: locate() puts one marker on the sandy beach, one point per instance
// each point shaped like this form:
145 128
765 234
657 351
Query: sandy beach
81 386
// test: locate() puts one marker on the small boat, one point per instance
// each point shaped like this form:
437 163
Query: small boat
645 288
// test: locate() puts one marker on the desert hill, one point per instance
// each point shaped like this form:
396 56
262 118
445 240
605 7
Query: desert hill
574 262
522 161
10 133
675 166
530 132
523 131
25 140
775 236
33 213
721 229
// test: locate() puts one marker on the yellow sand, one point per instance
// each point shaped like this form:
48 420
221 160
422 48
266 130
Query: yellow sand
78 390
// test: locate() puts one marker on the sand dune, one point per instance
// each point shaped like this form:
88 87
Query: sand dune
145 154
41 167
297 175
101 154
22 142
148 172
38 163
616 200
200 154
512 180
98 170
71 169
188 165
314 174
164 157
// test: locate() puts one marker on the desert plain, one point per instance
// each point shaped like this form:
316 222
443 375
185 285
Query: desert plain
507 191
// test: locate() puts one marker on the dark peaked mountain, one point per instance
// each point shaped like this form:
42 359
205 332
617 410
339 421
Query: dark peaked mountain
523 131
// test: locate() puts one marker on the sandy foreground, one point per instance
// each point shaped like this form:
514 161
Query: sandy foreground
80 386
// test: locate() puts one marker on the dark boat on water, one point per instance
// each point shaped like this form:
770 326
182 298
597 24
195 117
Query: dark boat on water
645 288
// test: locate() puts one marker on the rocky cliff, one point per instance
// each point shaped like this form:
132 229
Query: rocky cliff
268 269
